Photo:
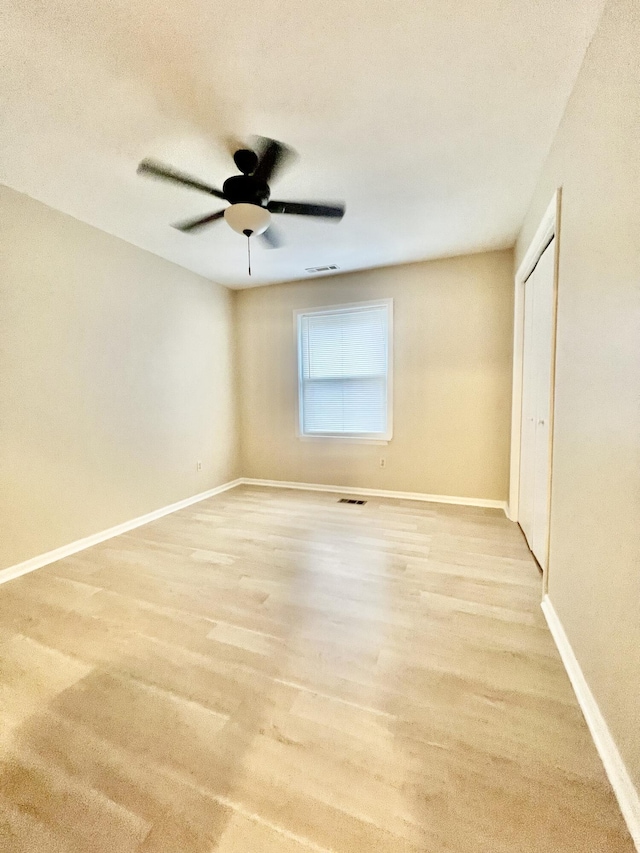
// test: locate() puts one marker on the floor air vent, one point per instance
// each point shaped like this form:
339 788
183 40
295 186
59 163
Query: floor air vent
326 268
351 501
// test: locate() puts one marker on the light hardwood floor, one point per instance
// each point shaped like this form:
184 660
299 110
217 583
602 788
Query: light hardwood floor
274 672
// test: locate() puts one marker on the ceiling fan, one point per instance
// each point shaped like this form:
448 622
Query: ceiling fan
248 194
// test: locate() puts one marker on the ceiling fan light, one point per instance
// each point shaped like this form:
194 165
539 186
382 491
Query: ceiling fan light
244 217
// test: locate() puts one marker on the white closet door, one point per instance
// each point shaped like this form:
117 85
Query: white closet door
543 347
535 465
528 436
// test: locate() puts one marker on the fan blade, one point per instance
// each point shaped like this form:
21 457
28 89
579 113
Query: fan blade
188 225
272 157
302 208
159 170
271 237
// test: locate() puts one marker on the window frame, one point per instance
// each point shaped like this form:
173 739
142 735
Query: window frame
350 438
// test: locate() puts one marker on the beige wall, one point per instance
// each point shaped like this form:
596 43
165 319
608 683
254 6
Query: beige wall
594 574
452 380
115 378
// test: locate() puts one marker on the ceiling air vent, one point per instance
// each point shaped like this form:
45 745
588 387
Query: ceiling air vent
327 268
351 501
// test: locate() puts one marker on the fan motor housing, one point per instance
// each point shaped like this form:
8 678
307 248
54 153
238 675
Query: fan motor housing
246 160
244 188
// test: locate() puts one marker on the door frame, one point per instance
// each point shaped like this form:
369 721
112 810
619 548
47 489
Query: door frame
548 229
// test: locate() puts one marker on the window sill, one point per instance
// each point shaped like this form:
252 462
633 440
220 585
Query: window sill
344 439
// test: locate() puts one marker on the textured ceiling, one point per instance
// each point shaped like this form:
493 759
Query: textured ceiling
431 119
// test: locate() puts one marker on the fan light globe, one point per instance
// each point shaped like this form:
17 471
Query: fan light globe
244 217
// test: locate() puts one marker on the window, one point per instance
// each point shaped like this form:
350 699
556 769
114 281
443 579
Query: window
344 370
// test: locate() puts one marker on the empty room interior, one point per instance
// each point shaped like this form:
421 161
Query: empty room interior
320 426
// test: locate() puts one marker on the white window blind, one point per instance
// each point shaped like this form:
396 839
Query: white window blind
344 371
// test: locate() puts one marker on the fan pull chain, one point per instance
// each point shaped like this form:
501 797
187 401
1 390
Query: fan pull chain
248 233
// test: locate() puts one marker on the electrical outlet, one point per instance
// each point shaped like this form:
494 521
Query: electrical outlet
383 462
198 465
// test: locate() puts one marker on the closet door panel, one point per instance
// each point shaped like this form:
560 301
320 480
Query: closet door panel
528 428
543 314
535 438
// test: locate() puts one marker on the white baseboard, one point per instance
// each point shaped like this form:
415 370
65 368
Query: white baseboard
80 544
378 493
621 782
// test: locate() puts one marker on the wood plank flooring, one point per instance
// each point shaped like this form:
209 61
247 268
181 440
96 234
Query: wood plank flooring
270 671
